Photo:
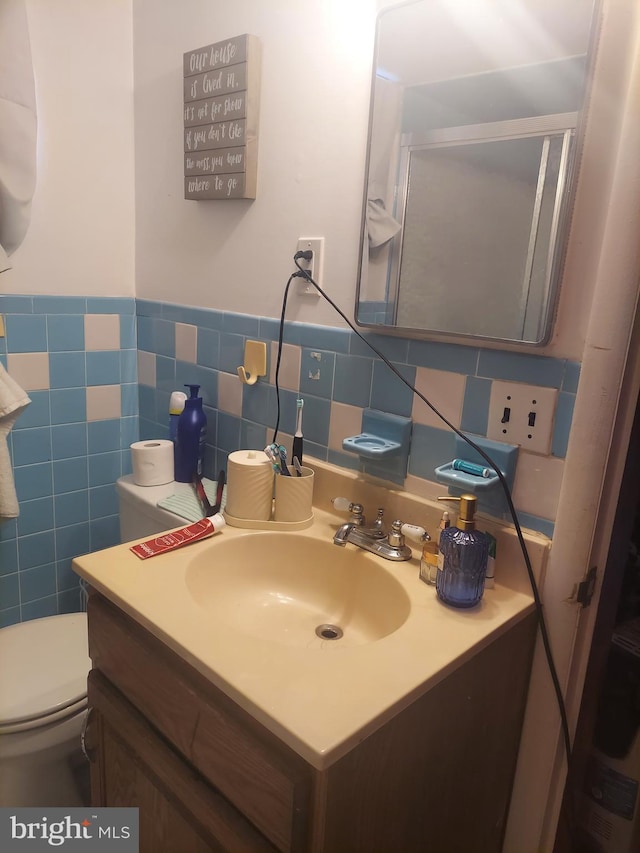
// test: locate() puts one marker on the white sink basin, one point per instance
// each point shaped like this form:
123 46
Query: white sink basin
297 590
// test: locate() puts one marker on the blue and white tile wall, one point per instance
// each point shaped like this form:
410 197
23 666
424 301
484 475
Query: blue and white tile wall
76 358
338 376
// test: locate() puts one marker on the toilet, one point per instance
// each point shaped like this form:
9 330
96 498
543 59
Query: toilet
43 702
139 513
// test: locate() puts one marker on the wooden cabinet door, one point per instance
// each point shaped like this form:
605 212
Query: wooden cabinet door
134 766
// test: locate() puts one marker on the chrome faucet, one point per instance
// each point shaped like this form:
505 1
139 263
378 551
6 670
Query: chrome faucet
391 547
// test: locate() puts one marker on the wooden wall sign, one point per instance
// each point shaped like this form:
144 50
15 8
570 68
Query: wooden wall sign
221 105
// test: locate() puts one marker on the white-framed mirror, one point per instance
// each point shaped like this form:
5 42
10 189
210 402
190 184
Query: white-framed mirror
472 142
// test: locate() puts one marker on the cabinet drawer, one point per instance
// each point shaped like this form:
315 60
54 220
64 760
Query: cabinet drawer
262 777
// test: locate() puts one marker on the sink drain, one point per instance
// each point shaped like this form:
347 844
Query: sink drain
329 632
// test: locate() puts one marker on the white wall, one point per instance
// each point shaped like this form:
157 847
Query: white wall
237 255
81 237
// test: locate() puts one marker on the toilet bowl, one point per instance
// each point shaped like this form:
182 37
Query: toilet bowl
43 701
139 513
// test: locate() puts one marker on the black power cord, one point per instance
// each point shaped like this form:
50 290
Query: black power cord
542 626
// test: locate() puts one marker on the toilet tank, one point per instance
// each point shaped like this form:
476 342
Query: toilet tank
139 513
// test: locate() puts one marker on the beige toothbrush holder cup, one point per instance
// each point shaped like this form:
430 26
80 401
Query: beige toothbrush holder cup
294 496
249 485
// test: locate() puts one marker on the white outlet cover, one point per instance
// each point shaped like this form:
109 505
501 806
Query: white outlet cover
316 244
522 414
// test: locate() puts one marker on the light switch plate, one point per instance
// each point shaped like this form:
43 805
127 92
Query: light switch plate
522 414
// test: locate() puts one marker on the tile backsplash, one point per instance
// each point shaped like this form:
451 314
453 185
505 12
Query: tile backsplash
100 377
76 358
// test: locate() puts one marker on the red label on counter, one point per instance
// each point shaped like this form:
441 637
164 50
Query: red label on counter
178 538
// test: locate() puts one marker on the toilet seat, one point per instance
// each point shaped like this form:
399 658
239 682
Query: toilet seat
44 665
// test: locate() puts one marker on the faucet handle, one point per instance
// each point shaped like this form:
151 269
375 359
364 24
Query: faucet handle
414 532
356 510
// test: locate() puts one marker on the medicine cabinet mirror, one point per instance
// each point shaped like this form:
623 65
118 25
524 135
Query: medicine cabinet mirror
474 110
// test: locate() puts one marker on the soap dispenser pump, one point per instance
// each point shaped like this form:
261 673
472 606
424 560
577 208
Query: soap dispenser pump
462 560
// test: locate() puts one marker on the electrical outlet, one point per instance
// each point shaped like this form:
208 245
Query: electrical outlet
522 414
314 266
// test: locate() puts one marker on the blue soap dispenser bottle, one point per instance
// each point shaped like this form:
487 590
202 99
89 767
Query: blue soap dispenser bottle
190 437
462 558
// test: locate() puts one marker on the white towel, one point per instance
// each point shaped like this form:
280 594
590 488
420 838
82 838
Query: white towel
12 401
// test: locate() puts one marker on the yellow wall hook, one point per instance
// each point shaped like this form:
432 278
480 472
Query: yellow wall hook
255 362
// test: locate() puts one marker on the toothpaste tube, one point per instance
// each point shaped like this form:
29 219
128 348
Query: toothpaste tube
178 538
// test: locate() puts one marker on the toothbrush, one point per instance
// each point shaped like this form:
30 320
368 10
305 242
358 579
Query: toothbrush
297 438
283 461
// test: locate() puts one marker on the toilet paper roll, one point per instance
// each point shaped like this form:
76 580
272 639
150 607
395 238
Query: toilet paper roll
249 485
152 462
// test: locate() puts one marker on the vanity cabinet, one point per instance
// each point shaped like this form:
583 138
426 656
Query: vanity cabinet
207 776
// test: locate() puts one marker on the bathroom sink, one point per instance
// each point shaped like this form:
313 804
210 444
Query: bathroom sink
297 590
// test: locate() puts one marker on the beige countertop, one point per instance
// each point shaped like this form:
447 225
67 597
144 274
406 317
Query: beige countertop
322 697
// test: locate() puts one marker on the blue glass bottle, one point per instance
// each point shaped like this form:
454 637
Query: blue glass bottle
462 560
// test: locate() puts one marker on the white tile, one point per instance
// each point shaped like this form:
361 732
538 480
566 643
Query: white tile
146 368
29 369
442 388
101 331
103 402
186 342
230 394
345 421
289 376
537 485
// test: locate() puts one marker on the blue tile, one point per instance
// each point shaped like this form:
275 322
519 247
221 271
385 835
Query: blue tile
31 446
144 333
562 425
352 382
8 558
103 367
65 576
240 324
16 304
36 414
344 460
148 308
532 369
128 331
161 415
72 541
571 377
252 436
38 582
8 529
440 356
105 532
395 349
68 405
103 435
129 400
228 437
128 365
33 481
430 447
47 606
147 402
318 451
69 600
269 329
388 392
231 352
129 432
533 522
9 591
72 508
36 516
317 414
103 501
318 337
67 370
65 333
69 440
9 616
164 337
70 475
110 305
104 468
165 373
316 373
475 409
288 412
59 305
36 550
208 352
207 379
259 403
26 333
